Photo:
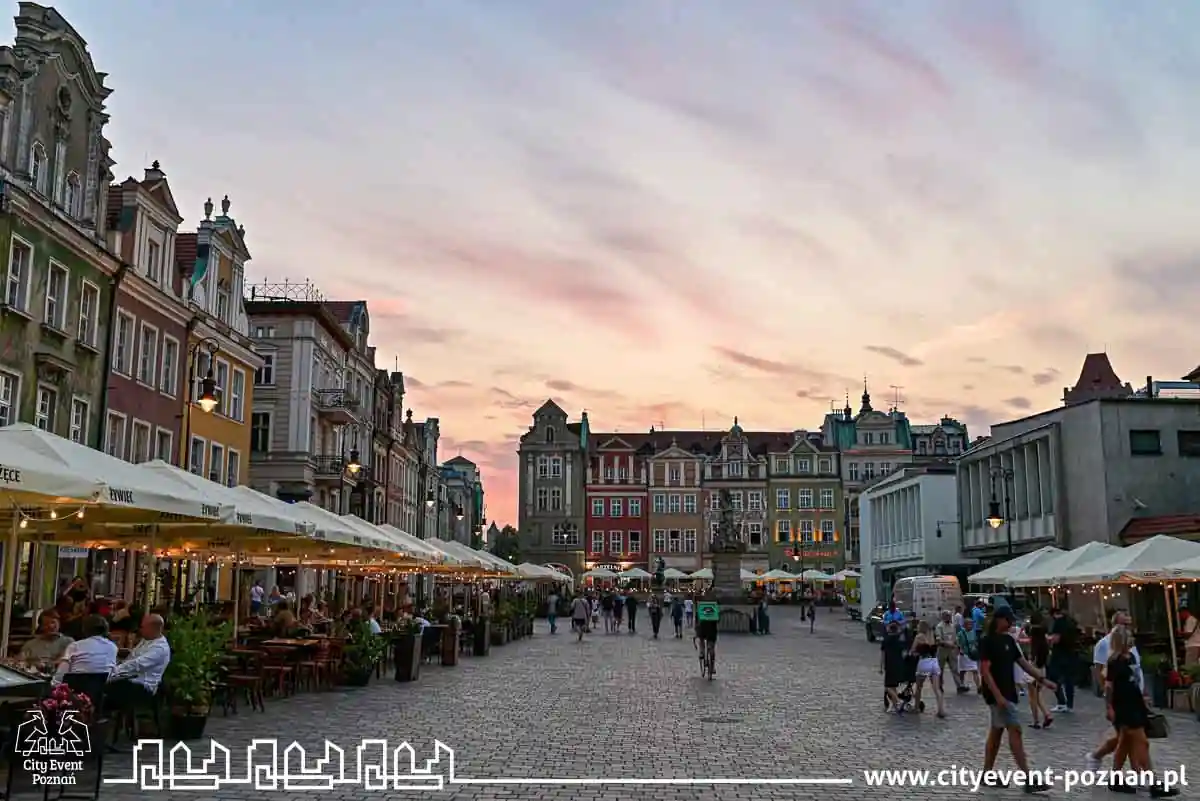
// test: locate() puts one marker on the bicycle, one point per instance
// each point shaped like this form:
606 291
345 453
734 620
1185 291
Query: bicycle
708 659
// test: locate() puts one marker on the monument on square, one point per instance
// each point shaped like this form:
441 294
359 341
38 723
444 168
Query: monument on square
727 549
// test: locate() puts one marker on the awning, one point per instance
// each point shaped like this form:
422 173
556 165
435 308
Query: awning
999 574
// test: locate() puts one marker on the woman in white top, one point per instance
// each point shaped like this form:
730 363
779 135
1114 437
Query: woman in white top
95 653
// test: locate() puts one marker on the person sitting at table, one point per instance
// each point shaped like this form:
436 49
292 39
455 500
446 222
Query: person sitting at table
95 653
136 680
120 612
284 621
307 612
369 613
49 644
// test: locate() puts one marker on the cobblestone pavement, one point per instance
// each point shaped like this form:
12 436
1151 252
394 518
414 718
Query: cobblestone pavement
792 704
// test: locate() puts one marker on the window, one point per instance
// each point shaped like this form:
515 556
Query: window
868 438
635 542
20 266
660 540
804 499
689 504
689 540
10 395
565 534
221 375
783 498
543 498
676 476
623 474
1144 442
549 433
868 471
265 375
123 345
660 503
804 465
89 319
783 530
223 303
674 504
608 473
883 438
806 531
154 262
139 447
597 542
163 440
196 456
755 531
170 366
114 435
556 467
827 533
79 420
735 469
616 542
1189 443
56 296
60 161
756 500
635 507
237 391
147 354
825 466
543 467
216 463
674 540
714 501
264 331
781 465
597 507
854 471
555 499
885 468
72 195
43 413
233 469
39 172
616 507
735 498
827 499
260 432
922 447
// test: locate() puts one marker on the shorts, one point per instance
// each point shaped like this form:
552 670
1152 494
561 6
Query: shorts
929 667
945 656
1006 717
707 630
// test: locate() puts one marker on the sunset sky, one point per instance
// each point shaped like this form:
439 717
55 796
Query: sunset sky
671 213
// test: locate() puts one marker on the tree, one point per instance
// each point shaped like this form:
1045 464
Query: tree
508 545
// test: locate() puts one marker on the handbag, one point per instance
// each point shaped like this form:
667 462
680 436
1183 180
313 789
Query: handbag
1156 726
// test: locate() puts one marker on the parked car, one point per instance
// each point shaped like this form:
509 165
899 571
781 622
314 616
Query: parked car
874 622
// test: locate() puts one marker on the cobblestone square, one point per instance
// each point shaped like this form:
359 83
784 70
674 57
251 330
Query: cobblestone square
788 705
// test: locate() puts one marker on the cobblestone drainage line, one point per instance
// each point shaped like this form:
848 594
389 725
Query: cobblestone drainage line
724 719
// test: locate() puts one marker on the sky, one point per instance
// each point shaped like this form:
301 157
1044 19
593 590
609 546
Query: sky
670 213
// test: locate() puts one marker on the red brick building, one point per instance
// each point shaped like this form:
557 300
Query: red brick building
615 502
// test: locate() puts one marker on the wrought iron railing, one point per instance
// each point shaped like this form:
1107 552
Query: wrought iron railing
335 399
329 465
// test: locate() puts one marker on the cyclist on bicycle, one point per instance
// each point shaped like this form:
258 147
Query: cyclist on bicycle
706 632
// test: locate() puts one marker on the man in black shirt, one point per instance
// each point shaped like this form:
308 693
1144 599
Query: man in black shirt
1064 642
999 654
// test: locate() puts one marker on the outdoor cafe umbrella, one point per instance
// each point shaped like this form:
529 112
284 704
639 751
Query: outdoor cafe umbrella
748 575
999 574
703 574
673 573
435 554
633 573
780 575
842 575
816 576
1048 572
599 573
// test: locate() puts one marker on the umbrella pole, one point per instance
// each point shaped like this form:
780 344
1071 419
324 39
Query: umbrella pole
1170 625
237 598
11 557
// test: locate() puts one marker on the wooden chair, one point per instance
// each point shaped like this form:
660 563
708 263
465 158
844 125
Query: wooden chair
246 679
309 669
329 660
279 670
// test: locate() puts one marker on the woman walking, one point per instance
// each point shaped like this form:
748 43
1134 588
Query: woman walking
677 616
928 671
654 607
968 654
1039 655
1128 714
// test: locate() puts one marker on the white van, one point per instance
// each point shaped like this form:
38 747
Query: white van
925 597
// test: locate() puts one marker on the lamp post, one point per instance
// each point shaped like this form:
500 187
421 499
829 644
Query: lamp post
1005 476
207 399
351 465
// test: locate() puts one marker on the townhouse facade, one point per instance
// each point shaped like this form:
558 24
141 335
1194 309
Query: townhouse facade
805 503
942 441
551 505
675 511
616 503
465 515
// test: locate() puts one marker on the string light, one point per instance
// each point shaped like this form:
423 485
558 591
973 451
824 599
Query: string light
27 516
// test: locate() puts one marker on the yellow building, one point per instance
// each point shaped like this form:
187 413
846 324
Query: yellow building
221 362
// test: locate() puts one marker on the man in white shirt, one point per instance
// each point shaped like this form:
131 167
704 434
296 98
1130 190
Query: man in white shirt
1189 625
1100 655
95 653
136 680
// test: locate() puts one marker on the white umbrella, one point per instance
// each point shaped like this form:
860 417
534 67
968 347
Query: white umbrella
999 574
500 565
842 575
251 509
1046 572
465 554
634 573
673 573
705 574
599 573
1189 569
414 544
332 528
1154 559
816 575
780 575
749 575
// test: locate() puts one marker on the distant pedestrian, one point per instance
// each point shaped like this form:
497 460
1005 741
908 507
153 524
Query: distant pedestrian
606 611
689 611
552 612
618 605
579 615
631 607
677 607
654 607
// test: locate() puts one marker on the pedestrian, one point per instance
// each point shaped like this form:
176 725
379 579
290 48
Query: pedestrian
945 634
764 617
1064 639
979 614
631 607
999 656
958 616
256 597
1189 629
1100 658
677 607
579 615
891 665
925 648
654 607
689 611
552 612
1128 713
812 617
618 606
1039 655
606 611
968 654
595 604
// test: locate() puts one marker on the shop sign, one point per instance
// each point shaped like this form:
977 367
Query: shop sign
66 552
812 554
612 567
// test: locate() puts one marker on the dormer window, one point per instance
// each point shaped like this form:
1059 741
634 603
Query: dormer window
223 301
39 171
72 195
549 433
154 262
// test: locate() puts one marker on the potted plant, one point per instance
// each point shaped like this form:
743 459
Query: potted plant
362 653
406 640
500 623
481 634
1193 674
1154 671
193 671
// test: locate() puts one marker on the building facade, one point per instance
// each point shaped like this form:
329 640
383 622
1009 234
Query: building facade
212 263
146 388
674 506
939 442
551 509
909 527
464 516
804 503
357 439
615 502
56 299
737 462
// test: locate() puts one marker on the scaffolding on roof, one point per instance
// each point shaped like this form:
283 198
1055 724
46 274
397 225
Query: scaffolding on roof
296 292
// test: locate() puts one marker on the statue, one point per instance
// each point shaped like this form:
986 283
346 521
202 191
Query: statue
660 567
727 538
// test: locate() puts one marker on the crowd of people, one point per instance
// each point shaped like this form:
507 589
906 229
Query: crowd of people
1003 662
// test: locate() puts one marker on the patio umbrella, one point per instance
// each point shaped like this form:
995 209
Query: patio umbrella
816 575
842 575
1154 559
599 573
780 575
633 573
468 556
435 554
999 574
1047 572
673 573
704 574
749 575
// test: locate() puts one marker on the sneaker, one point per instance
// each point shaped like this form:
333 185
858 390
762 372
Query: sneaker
1035 725
1036 787
1091 763
1159 791
962 688
1058 708
1125 789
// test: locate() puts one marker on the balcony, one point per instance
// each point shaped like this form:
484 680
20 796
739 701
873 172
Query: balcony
329 467
338 406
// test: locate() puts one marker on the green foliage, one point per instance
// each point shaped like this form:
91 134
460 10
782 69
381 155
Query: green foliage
508 545
363 648
196 646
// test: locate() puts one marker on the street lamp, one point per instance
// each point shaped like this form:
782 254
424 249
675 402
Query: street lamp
208 393
207 399
458 513
430 500
995 517
354 465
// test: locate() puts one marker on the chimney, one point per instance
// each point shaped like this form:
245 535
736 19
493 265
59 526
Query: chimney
1149 386
154 173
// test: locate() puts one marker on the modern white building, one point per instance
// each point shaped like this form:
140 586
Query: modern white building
909 527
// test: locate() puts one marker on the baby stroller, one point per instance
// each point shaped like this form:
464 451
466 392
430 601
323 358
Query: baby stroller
907 689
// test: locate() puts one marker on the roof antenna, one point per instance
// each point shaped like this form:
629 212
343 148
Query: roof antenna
897 399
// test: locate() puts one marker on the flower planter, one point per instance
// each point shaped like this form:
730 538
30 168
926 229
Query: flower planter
186 725
1156 688
357 677
408 656
500 635
1194 695
450 643
483 637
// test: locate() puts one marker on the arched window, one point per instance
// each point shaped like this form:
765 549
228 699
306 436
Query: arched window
549 433
39 174
71 195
